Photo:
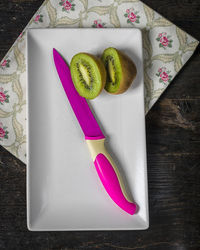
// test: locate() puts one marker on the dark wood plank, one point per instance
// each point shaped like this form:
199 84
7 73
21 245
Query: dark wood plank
173 145
14 16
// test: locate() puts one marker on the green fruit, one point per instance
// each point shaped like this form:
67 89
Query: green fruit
121 71
88 75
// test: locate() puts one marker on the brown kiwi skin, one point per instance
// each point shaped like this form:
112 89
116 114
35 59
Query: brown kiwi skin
101 69
129 72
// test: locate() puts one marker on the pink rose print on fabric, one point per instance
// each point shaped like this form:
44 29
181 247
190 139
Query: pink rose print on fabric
132 16
67 5
164 40
38 19
5 64
4 97
98 24
3 132
21 35
164 75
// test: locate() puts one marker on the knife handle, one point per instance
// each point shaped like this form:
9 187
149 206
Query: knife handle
109 175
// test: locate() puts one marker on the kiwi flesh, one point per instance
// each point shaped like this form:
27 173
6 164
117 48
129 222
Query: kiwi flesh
121 71
88 75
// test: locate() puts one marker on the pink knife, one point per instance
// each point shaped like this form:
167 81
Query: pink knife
105 167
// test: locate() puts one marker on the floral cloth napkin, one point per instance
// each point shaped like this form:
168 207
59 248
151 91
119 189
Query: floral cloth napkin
166 49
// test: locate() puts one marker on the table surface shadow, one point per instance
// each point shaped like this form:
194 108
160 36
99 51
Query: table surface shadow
173 155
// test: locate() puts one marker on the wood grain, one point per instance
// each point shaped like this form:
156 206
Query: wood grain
173 145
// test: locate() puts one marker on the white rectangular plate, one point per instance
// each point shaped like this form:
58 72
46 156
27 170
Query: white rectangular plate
63 188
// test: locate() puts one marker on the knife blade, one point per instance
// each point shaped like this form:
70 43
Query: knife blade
79 105
105 167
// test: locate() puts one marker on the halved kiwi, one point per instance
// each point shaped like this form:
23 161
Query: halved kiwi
88 75
121 71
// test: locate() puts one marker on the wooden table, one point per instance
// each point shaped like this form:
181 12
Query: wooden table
173 146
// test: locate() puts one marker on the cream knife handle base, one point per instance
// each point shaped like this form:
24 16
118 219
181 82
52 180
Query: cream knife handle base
109 175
